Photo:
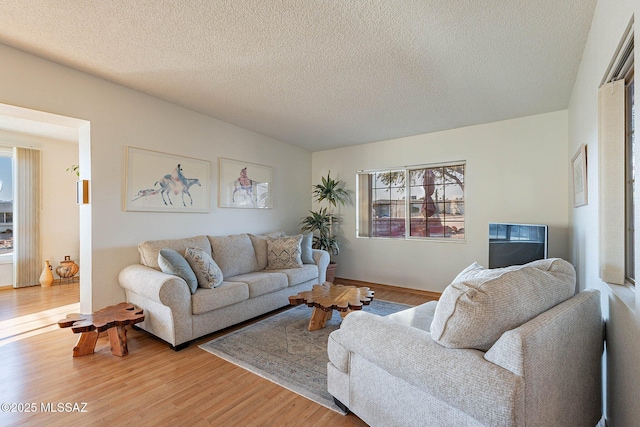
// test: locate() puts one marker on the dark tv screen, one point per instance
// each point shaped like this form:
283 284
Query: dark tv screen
516 244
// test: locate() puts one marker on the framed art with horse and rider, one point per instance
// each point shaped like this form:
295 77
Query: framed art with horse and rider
244 185
163 182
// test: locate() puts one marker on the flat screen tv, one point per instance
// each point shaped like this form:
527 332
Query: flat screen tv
516 244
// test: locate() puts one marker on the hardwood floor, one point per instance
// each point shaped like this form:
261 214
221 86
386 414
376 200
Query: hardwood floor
153 385
35 298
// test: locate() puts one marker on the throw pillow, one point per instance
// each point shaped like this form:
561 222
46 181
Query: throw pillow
205 268
284 252
171 262
306 248
482 304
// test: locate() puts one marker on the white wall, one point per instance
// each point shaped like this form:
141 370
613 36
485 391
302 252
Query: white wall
59 212
516 172
6 270
59 217
621 306
120 117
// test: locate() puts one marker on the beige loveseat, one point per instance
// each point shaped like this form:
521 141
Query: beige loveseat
502 347
249 287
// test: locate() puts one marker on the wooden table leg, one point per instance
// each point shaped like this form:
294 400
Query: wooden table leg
319 318
86 344
118 341
343 314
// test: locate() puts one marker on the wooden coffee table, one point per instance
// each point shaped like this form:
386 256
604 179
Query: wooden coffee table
328 297
112 319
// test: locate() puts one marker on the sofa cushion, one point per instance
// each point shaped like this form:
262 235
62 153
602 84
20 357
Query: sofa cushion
234 254
228 293
171 262
261 283
419 316
149 250
260 247
306 249
284 252
205 268
299 275
481 304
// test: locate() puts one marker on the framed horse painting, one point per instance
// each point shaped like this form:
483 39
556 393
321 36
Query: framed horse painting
162 182
244 185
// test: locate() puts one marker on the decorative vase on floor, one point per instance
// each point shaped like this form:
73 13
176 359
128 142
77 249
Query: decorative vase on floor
46 278
67 268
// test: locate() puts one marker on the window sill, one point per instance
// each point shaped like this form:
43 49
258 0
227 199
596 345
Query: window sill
626 294
437 239
415 239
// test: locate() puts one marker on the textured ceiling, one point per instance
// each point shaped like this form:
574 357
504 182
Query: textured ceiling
321 74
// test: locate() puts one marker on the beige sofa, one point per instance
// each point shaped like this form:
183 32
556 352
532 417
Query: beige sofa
249 288
502 347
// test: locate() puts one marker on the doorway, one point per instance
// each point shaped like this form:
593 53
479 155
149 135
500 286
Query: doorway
64 142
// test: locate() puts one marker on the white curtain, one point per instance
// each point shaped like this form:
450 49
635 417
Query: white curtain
364 205
611 185
26 218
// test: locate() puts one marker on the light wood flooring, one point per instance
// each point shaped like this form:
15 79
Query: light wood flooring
153 385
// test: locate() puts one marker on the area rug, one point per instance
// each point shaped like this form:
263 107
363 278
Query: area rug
282 350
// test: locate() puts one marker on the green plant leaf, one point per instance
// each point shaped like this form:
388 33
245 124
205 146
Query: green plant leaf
331 190
74 169
320 222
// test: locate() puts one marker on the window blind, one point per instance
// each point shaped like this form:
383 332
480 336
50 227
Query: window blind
26 250
611 181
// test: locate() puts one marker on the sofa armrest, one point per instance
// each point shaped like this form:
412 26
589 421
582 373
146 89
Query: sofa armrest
573 327
560 355
321 258
155 285
459 377
166 300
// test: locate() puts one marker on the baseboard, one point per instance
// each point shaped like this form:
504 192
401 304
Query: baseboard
352 282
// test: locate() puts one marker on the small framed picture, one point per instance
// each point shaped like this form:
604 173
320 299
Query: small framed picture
579 172
244 185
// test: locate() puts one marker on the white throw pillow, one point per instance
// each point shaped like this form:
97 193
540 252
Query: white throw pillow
205 268
482 304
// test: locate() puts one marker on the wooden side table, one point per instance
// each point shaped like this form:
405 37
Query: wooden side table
112 319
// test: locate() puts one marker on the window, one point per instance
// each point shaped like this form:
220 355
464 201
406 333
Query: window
616 175
428 201
6 201
630 180
387 204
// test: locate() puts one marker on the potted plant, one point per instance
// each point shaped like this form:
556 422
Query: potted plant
320 223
